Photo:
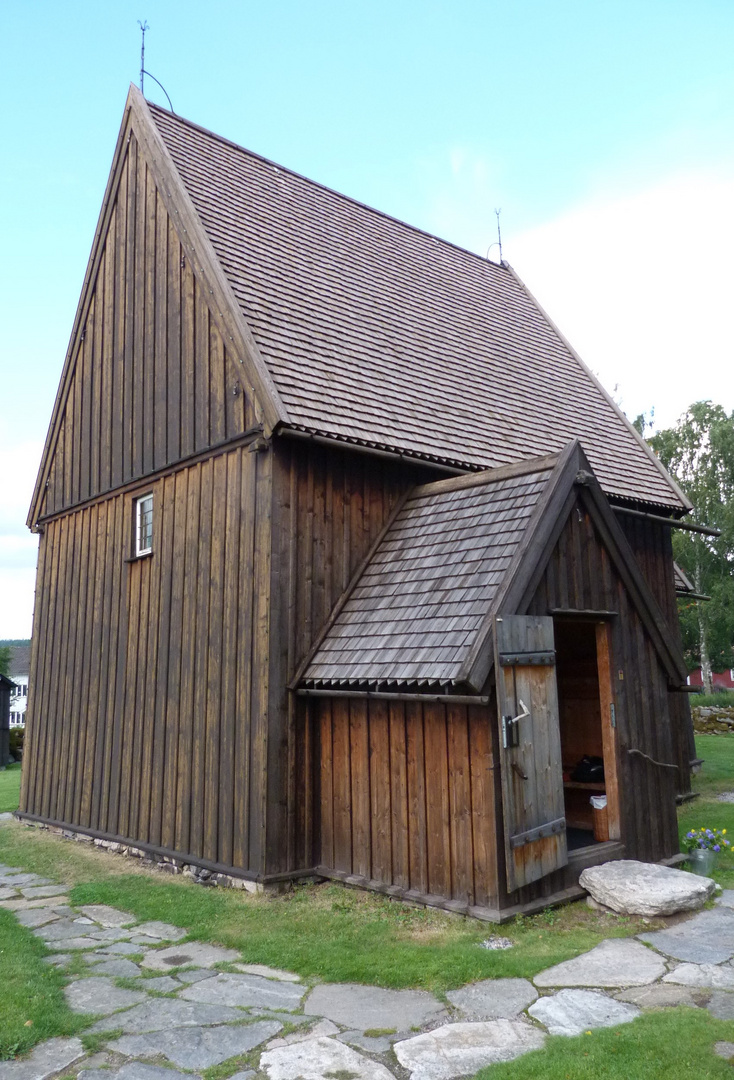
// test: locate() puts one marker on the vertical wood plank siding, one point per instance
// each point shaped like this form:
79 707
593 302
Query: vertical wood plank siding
580 576
329 506
653 548
407 796
136 726
422 785
153 381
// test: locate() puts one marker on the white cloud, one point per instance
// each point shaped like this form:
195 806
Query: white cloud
642 285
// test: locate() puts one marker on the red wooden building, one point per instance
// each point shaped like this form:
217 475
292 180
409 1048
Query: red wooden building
347 563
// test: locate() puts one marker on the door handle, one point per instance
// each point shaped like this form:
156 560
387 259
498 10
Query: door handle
511 727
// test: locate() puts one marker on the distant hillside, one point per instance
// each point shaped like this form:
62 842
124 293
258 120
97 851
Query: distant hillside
14 641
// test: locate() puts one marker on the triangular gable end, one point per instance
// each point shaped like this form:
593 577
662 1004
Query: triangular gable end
145 197
574 482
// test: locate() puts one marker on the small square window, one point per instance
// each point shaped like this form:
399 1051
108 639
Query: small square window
144 525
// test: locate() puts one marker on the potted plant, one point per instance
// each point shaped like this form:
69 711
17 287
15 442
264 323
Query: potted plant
703 845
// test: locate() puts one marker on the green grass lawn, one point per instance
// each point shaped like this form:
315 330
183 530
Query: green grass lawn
674 1044
330 933
9 788
32 1004
717 775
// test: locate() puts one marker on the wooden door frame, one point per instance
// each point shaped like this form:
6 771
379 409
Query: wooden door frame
608 707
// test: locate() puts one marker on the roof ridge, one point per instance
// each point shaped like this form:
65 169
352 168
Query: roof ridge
503 266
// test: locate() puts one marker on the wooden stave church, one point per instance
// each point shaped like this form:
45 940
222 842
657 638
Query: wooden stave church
180 697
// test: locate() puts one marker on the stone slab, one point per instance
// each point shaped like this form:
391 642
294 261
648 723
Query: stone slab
611 963
364 1007
493 999
57 931
8 894
27 905
637 888
726 899
723 1050
245 990
571 1012
315 1059
77 943
267 972
60 960
244 1074
373 1044
122 948
460 1049
662 996
133 1070
164 984
107 916
163 931
322 1027
283 1017
160 1014
118 968
713 976
721 1005
194 952
197 1047
98 994
110 934
41 892
198 975
707 938
21 879
36 917
46 1059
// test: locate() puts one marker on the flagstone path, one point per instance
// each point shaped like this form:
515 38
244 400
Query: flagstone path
185 1006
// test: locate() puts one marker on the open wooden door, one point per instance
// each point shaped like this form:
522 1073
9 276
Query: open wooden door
530 748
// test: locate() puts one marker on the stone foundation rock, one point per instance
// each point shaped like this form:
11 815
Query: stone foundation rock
636 888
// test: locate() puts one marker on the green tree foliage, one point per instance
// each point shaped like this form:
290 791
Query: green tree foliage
4 659
699 452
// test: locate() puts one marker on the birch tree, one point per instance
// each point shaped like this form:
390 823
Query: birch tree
699 452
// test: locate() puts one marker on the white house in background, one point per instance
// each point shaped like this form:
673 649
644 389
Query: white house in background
20 658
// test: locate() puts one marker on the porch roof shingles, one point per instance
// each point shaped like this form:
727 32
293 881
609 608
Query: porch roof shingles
376 332
419 604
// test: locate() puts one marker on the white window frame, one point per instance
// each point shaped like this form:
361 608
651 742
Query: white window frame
140 504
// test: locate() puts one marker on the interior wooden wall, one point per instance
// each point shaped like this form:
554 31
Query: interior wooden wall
138 727
152 380
407 796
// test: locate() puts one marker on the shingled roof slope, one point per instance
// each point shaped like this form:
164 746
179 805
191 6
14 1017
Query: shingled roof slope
378 333
419 605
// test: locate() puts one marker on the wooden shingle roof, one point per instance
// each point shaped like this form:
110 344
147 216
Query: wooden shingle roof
456 554
418 607
376 333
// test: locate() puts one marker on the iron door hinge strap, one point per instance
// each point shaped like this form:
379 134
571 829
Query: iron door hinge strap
551 828
547 657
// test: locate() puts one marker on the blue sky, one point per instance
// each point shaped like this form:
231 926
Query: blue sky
603 131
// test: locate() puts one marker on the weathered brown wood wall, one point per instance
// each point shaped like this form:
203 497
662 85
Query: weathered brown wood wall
376 759
153 382
653 548
329 507
407 796
580 576
149 704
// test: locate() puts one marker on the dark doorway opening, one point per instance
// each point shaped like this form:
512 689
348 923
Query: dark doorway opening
586 736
